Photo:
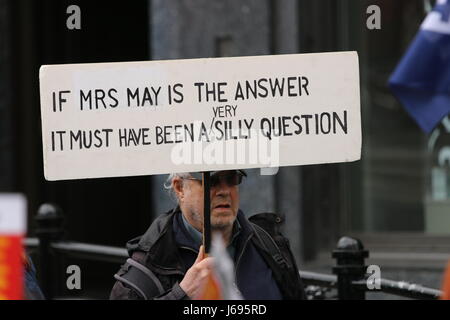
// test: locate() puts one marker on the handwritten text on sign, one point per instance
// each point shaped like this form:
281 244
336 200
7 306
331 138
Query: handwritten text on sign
140 118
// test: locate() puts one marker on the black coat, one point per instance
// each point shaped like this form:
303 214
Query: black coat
158 250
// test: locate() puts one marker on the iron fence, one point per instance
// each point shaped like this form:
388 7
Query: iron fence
349 280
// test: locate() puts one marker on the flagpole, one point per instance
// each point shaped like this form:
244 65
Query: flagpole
206 212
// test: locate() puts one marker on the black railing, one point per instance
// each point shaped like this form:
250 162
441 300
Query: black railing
319 285
350 280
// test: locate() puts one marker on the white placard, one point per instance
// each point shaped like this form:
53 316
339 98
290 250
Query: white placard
13 208
142 118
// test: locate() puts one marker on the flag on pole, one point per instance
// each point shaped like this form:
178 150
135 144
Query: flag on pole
11 267
12 231
221 283
211 289
421 80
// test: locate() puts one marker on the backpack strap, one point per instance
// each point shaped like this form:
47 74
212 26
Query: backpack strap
270 245
267 231
141 279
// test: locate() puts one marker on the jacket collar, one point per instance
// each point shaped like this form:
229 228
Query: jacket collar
159 245
167 233
188 237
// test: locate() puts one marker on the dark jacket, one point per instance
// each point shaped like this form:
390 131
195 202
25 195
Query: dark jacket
166 251
32 291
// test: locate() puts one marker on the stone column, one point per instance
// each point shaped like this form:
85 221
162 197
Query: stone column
204 28
285 29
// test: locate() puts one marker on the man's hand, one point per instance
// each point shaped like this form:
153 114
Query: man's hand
196 276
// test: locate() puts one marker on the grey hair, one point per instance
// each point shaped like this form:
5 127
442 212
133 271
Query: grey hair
168 184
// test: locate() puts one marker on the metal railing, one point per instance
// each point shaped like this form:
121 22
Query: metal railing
318 285
349 278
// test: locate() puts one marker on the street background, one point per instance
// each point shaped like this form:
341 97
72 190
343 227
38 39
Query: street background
389 199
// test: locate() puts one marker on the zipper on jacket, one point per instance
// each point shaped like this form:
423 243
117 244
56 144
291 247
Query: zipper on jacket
169 271
240 256
190 249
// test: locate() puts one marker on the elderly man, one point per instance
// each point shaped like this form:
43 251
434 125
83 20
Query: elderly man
168 261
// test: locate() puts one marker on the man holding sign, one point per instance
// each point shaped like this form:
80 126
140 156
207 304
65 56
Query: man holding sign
201 115
168 261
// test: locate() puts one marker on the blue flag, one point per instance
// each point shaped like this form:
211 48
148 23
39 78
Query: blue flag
421 80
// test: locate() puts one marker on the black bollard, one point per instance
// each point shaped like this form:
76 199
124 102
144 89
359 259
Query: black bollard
49 228
350 266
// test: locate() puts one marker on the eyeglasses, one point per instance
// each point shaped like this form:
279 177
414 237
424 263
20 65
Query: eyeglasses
230 179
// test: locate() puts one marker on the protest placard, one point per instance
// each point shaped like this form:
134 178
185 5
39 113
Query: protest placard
155 117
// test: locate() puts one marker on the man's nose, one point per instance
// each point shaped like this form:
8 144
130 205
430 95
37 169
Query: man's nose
221 189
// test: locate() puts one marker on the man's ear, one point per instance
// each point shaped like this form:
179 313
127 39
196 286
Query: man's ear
177 185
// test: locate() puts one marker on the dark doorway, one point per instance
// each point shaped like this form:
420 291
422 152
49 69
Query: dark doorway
102 211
